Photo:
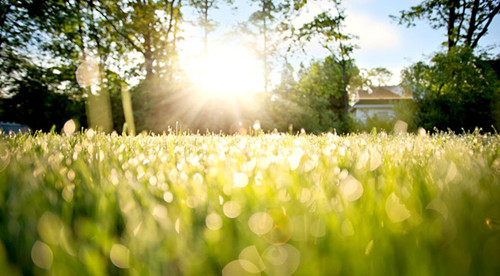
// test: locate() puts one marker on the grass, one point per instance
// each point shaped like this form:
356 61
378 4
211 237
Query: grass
365 204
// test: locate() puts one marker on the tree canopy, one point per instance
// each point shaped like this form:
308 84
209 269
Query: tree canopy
465 21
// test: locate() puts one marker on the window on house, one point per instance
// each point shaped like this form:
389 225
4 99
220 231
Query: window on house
383 114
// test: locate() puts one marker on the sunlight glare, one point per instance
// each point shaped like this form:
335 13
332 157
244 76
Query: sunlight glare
226 71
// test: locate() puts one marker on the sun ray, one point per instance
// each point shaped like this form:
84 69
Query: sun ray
226 71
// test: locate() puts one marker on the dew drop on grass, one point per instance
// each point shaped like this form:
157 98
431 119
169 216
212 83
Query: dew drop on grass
336 171
283 195
276 255
369 247
421 132
168 197
305 195
362 160
351 189
213 221
192 202
251 261
67 192
160 212
4 156
235 268
119 255
282 227
227 189
395 210
69 127
310 165
295 158
250 165
452 172
197 179
493 224
90 133
42 255
281 259
375 159
318 229
256 125
137 228
153 180
240 180
347 228
438 206
400 127
177 226
71 175
49 227
231 209
343 174
260 223
258 178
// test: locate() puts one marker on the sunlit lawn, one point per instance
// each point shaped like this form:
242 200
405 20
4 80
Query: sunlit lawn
367 204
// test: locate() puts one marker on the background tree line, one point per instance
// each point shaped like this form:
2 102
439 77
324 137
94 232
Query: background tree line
42 43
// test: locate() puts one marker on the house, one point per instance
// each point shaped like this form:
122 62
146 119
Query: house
378 101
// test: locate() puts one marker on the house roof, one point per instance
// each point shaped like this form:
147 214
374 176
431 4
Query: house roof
383 93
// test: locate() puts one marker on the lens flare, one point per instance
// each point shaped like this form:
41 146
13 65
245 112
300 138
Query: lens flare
282 229
88 73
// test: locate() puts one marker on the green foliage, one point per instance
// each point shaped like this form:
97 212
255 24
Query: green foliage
407 111
328 27
466 21
34 100
314 102
457 90
372 124
369 204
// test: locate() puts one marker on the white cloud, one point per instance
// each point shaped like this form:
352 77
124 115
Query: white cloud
374 35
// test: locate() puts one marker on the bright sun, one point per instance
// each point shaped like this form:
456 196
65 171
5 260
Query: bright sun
226 71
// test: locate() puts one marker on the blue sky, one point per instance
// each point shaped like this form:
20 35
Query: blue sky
386 44
382 42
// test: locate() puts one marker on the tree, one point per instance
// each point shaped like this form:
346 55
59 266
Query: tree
378 76
203 8
34 100
315 101
466 21
328 26
263 19
34 89
456 90
149 29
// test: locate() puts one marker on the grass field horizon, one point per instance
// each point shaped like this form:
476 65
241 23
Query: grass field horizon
267 204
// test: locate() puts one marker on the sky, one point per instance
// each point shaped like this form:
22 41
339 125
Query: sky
382 42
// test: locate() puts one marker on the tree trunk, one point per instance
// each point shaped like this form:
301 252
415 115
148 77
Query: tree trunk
345 94
205 23
148 56
452 18
265 46
472 24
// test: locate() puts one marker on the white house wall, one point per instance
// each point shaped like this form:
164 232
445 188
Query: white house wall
363 112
